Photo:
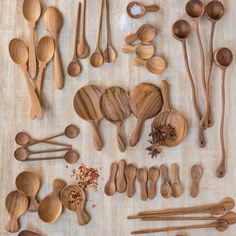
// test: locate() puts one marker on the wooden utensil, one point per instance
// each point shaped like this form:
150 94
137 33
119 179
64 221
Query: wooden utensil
53 22
77 205
196 173
137 10
32 12
83 48
153 175
96 59
19 54
114 104
110 187
176 186
166 190
28 233
145 102
74 67
142 177
181 30
223 58
29 183
87 106
120 177
16 204
145 33
109 53
130 175
50 207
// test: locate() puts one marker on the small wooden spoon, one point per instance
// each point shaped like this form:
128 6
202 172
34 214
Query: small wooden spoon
50 207
16 204
145 102
28 233
77 205
196 173
121 183
166 190
142 177
32 12
223 58
176 186
130 175
29 183
145 33
153 175
110 187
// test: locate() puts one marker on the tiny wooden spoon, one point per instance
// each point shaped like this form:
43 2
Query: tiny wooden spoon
28 233
50 207
121 183
130 175
16 204
166 190
196 173
145 33
142 177
110 187
76 204
153 175
176 186
29 183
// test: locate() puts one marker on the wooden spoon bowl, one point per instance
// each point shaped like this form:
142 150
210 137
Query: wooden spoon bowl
223 57
31 10
195 8
45 49
156 65
215 10
181 30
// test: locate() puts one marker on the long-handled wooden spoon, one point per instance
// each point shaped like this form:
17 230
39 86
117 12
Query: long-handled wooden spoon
142 177
28 233
121 183
110 187
176 186
196 173
166 190
130 175
153 175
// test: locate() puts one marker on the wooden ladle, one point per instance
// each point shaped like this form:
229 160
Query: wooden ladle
145 102
223 57
166 190
28 233
110 187
50 207
29 183
153 175
176 186
196 173
130 175
142 177
115 108
121 182
32 12
16 204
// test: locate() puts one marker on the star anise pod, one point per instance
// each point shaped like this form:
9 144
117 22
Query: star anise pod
153 149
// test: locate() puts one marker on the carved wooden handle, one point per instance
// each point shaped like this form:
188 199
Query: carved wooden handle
130 38
83 217
33 205
32 54
120 179
152 8
119 137
136 133
97 141
13 225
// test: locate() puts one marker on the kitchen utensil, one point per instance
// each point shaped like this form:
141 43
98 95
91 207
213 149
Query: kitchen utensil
74 67
196 173
53 22
87 106
110 187
28 233
153 175
145 102
29 183
114 104
97 59
32 11
137 10
223 57
130 175
176 186
16 204
166 190
142 177
145 33
19 54
179 218
78 204
120 177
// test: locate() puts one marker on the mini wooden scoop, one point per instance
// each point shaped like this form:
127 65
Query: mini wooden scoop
142 177
28 233
120 177
166 190
110 187
130 175
153 175
196 173
16 204
176 186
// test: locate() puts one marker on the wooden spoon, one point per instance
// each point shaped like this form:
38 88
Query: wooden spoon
28 233
145 33
50 207
75 204
32 12
96 59
142 177
196 173
121 183
53 22
145 102
166 190
19 54
29 183
130 175
176 186
16 204
87 106
153 175
223 58
110 187
115 108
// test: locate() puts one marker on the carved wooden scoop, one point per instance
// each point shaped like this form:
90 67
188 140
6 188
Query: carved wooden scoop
110 187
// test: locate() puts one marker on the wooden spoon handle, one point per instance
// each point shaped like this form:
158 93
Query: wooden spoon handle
139 62
82 35
175 173
100 25
13 226
152 8
83 217
119 137
143 191
165 95
32 54
136 133
120 178
33 205
130 38
152 190
44 158
130 190
40 79
50 151
128 48
97 141
58 185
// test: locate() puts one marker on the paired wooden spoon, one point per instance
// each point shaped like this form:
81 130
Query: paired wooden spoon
121 182
166 190
130 175
110 187
176 186
153 175
142 177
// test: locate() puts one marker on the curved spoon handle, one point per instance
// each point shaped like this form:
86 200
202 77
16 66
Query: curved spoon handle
119 137
139 62
58 185
130 38
136 133
128 48
97 141
152 190
12 226
152 8
40 79
100 26
165 94
143 191
201 138
32 54
33 205
130 190
83 217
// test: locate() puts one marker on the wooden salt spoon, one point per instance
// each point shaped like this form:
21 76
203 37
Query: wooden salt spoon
53 22
29 183
176 186
142 177
223 57
96 59
145 33
196 173
145 103
130 175
120 177
19 54
73 198
166 190
114 104
32 12
87 106
142 8
74 67
110 187
16 204
83 48
28 233
153 175
50 207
